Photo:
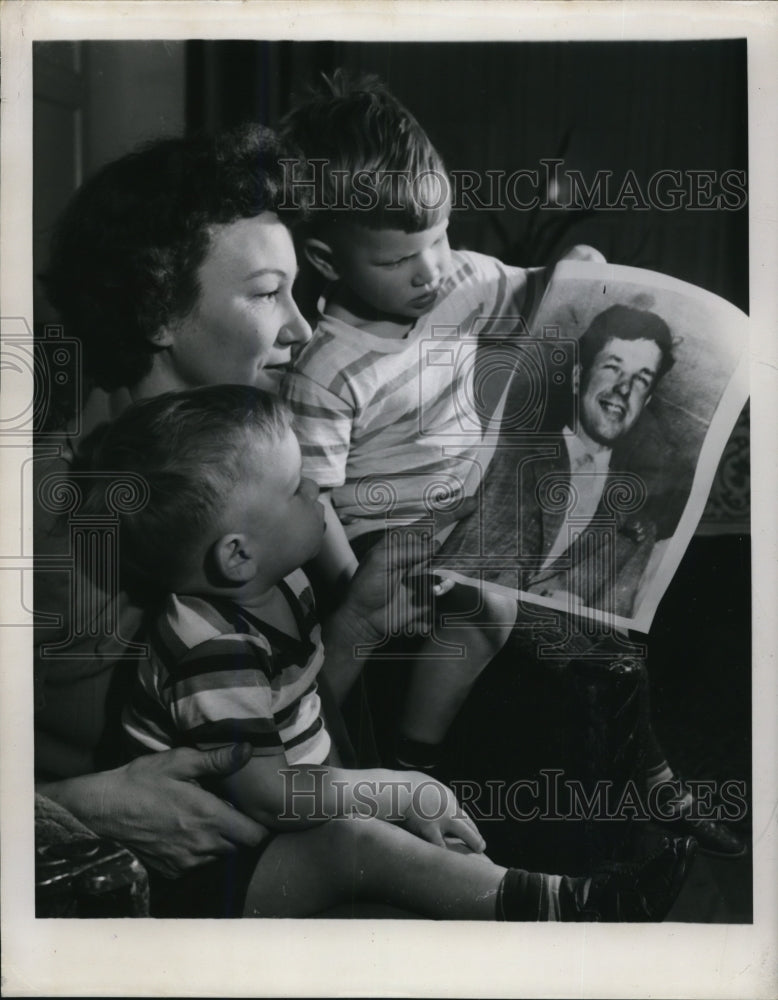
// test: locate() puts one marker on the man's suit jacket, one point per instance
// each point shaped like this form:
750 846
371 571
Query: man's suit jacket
523 501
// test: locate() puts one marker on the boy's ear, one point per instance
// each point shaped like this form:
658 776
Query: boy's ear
320 254
235 558
576 377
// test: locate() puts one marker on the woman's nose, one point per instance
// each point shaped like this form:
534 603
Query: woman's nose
296 330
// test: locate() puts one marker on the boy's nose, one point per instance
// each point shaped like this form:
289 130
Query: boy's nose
427 271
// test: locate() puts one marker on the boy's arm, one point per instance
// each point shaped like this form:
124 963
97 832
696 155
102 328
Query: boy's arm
381 599
296 797
323 425
336 563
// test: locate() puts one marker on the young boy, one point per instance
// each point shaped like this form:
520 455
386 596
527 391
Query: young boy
388 396
222 522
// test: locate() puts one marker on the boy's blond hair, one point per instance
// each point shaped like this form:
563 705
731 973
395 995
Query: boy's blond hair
365 158
187 451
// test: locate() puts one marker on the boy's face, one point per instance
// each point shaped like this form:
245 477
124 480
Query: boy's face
394 273
277 509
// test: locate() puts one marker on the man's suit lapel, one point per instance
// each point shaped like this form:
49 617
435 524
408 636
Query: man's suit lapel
546 522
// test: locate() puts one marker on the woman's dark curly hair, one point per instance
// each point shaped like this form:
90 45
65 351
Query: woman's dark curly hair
127 249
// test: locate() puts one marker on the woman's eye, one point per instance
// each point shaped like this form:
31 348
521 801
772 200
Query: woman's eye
266 296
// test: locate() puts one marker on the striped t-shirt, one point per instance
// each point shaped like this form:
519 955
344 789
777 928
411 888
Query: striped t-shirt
394 427
218 675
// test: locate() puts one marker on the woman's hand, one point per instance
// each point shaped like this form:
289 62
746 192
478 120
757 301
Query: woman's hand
433 813
155 807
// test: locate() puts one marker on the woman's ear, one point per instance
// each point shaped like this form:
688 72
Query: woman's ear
235 559
576 377
320 254
162 337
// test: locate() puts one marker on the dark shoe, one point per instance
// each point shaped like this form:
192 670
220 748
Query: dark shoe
643 890
679 811
712 836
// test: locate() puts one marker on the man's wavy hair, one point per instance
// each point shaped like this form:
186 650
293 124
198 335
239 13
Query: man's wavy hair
623 322
126 251
365 158
181 455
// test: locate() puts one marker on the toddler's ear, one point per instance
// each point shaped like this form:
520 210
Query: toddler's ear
234 558
321 256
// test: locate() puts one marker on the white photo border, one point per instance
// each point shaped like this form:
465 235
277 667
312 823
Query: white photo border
365 958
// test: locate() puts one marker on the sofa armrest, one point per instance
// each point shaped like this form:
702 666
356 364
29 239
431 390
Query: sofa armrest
78 874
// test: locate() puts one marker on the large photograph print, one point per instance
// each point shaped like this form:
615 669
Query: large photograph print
582 680
604 449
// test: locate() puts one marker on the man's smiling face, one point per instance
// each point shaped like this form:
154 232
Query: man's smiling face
616 387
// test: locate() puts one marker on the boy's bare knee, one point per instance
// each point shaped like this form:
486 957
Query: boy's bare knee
351 833
501 615
495 639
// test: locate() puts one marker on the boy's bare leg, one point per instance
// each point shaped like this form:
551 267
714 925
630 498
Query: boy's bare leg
440 685
302 874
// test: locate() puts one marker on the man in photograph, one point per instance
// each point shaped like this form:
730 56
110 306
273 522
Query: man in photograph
581 506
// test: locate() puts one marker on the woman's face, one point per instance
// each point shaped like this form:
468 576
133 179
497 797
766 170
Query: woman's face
245 321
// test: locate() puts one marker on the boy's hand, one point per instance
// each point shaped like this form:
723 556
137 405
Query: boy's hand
433 814
583 252
435 584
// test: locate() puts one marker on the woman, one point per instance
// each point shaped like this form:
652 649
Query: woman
173 267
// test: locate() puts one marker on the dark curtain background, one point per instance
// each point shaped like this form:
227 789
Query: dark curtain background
639 106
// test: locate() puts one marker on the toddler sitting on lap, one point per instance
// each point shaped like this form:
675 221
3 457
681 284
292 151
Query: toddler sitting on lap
215 543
